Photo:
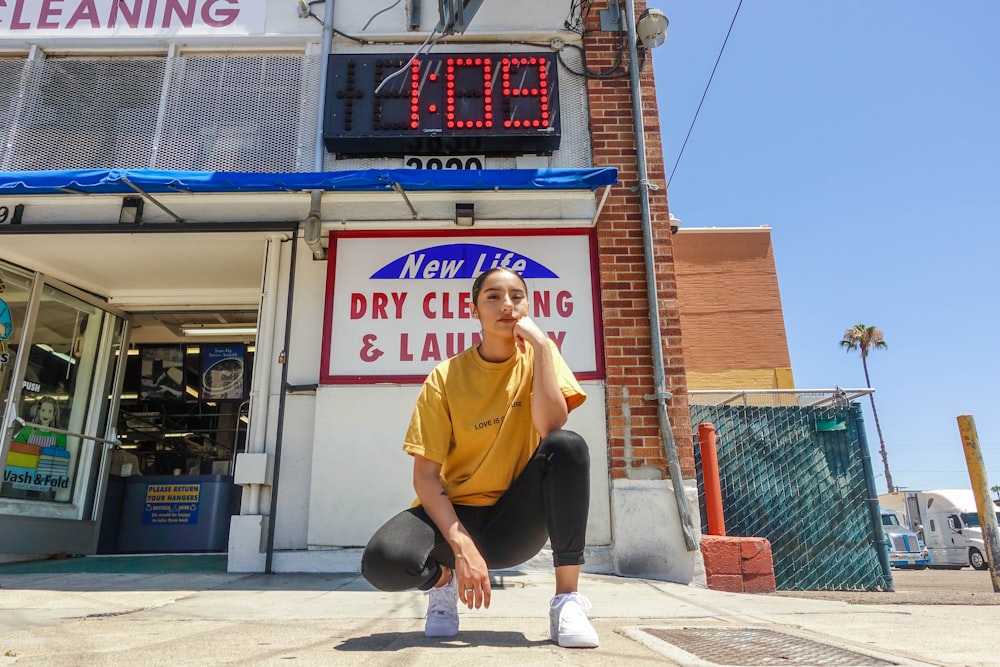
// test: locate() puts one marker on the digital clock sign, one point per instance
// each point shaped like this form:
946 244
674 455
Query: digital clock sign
441 104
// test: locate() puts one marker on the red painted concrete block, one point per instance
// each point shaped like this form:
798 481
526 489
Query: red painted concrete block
738 564
752 546
721 554
730 583
760 562
760 583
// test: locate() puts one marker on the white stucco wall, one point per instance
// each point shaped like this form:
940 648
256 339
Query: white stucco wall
649 538
342 469
362 477
493 16
295 470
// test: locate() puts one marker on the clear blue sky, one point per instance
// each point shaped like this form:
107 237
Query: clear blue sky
866 134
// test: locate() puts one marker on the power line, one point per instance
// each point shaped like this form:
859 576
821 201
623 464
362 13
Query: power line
698 110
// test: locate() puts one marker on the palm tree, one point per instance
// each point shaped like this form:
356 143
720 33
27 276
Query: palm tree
866 339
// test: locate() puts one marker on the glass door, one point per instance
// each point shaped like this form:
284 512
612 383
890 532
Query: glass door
15 293
58 391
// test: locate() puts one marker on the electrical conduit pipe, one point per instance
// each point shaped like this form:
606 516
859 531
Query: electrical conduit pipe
662 395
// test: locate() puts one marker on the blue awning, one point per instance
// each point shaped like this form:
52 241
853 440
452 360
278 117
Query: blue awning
127 181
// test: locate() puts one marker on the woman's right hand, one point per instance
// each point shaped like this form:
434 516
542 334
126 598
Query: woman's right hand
473 575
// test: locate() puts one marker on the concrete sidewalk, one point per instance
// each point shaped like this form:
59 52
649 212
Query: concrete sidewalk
213 618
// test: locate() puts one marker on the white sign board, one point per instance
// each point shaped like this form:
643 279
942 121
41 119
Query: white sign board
396 306
109 18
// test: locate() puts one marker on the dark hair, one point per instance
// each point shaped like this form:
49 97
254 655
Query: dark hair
37 407
478 284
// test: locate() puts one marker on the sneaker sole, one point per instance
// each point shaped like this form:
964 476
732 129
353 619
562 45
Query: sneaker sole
577 642
437 635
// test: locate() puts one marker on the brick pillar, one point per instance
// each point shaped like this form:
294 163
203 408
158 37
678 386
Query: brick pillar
633 426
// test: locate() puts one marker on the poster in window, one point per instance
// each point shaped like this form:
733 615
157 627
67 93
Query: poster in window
222 373
162 372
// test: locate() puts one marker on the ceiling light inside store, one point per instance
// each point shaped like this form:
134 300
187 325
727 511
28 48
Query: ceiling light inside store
219 331
48 348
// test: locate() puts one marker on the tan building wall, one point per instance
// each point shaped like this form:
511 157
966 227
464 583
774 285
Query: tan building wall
730 310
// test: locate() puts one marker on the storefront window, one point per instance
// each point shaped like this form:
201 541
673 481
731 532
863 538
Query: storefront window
15 292
52 408
184 407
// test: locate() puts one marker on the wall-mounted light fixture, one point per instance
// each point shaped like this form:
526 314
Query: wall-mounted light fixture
131 212
651 28
465 215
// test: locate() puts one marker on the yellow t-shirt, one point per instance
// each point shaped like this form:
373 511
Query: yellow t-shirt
474 418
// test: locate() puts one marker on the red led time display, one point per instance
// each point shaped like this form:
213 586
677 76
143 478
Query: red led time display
494 104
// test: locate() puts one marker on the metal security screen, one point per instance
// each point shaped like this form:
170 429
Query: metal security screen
85 113
240 113
800 476
212 113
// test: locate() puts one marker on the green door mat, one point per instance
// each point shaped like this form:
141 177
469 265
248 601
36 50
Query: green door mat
153 564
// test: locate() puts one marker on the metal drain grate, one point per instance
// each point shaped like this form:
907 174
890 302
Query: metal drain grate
753 646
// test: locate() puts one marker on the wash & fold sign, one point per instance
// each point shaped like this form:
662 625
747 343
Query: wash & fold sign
397 306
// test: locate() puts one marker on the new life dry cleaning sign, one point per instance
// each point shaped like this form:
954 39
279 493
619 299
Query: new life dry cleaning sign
396 306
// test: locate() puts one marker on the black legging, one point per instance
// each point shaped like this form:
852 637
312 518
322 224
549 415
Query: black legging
550 499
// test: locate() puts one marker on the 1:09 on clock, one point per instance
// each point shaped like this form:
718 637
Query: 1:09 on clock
458 103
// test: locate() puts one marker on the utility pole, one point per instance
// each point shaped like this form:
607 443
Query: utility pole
981 489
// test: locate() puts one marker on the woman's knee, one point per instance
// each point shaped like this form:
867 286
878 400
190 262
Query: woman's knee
377 566
567 445
391 561
390 568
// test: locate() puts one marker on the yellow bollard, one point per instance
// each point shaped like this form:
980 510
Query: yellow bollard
981 489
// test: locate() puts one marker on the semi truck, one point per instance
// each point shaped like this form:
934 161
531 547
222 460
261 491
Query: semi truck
906 550
947 522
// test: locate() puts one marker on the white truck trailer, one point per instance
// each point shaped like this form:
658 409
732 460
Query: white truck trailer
947 522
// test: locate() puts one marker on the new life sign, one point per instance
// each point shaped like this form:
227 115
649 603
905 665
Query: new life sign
396 306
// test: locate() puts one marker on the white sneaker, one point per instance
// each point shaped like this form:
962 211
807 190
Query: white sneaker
568 623
442 611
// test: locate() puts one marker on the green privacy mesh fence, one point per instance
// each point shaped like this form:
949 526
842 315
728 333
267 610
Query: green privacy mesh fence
794 468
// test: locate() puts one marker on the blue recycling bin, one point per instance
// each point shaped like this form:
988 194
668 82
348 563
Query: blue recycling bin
177 513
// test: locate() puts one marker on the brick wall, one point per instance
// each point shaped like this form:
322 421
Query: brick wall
633 426
730 309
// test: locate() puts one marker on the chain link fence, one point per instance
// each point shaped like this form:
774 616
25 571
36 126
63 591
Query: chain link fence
794 468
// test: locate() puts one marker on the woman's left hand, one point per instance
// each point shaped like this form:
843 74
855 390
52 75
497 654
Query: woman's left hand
527 330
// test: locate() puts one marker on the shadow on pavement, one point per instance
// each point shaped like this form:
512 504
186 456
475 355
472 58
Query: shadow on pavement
397 641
